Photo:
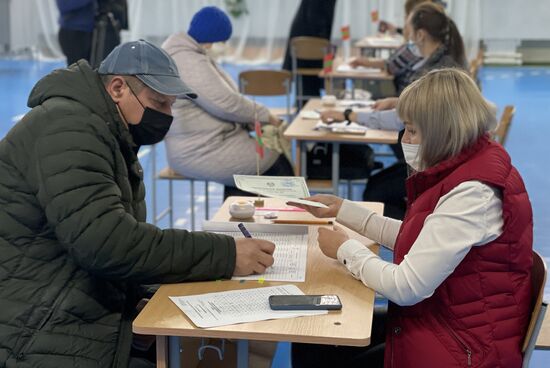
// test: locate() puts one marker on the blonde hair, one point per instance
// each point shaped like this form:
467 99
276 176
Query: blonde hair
449 111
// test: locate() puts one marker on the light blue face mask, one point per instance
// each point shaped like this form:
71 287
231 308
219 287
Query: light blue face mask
414 49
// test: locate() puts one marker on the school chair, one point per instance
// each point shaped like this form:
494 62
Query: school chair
501 132
475 65
268 83
306 48
170 175
474 70
538 307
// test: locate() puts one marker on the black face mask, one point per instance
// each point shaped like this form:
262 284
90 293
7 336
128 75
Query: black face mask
152 127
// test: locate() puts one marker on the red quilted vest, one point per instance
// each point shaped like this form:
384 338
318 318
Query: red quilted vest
478 316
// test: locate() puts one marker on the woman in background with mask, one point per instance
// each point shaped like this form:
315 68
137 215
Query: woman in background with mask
458 286
436 38
209 138
402 60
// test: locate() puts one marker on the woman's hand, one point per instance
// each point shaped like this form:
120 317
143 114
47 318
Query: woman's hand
333 202
359 61
274 120
332 116
331 240
385 104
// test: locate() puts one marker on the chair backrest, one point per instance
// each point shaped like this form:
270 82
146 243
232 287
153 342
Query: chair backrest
474 69
309 48
501 133
538 279
265 82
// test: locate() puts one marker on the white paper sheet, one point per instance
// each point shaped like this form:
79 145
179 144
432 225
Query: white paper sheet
385 41
289 188
290 248
342 127
237 306
346 68
310 115
356 103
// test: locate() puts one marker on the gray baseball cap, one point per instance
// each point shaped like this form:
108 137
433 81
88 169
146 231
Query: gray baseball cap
150 64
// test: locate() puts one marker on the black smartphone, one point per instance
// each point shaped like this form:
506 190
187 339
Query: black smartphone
304 302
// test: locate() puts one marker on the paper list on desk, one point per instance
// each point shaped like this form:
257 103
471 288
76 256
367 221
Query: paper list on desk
237 306
290 256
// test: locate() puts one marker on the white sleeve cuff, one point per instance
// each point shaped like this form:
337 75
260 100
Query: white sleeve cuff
349 251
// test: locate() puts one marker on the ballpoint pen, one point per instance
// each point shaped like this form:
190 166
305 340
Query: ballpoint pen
244 230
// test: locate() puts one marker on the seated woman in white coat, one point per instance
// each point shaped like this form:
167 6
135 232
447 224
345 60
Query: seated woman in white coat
209 138
459 283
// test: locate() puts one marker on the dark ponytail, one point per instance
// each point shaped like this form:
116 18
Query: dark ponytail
432 18
455 45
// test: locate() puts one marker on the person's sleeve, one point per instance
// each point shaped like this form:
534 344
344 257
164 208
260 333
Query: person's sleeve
215 95
385 119
80 193
470 215
364 221
65 6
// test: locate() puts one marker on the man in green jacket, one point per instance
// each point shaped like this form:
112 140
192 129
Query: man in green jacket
74 245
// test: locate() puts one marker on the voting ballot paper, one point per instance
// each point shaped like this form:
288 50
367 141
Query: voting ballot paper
237 306
289 188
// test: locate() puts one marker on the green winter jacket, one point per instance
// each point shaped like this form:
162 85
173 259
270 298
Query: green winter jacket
74 244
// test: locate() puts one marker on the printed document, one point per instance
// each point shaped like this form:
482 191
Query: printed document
237 306
343 127
290 188
346 68
290 248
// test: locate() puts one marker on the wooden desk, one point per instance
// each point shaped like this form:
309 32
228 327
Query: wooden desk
382 75
543 341
351 326
302 130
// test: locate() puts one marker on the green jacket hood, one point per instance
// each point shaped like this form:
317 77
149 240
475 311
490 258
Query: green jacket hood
79 82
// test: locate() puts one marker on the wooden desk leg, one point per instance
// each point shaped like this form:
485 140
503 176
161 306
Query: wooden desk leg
174 352
335 167
242 353
162 352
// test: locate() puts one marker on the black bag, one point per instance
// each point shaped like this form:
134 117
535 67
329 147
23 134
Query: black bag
356 161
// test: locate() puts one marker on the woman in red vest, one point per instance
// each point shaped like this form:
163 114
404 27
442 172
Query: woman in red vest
459 284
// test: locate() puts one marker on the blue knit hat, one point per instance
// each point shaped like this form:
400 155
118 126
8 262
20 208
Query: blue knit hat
209 25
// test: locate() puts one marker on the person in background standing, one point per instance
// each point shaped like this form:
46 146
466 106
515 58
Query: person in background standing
90 29
313 18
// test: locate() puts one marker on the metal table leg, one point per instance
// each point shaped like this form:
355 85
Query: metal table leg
242 353
303 159
174 352
335 167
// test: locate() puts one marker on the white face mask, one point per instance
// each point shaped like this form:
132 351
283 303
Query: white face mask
411 155
413 47
218 49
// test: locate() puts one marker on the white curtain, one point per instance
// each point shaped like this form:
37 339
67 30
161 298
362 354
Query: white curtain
259 35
